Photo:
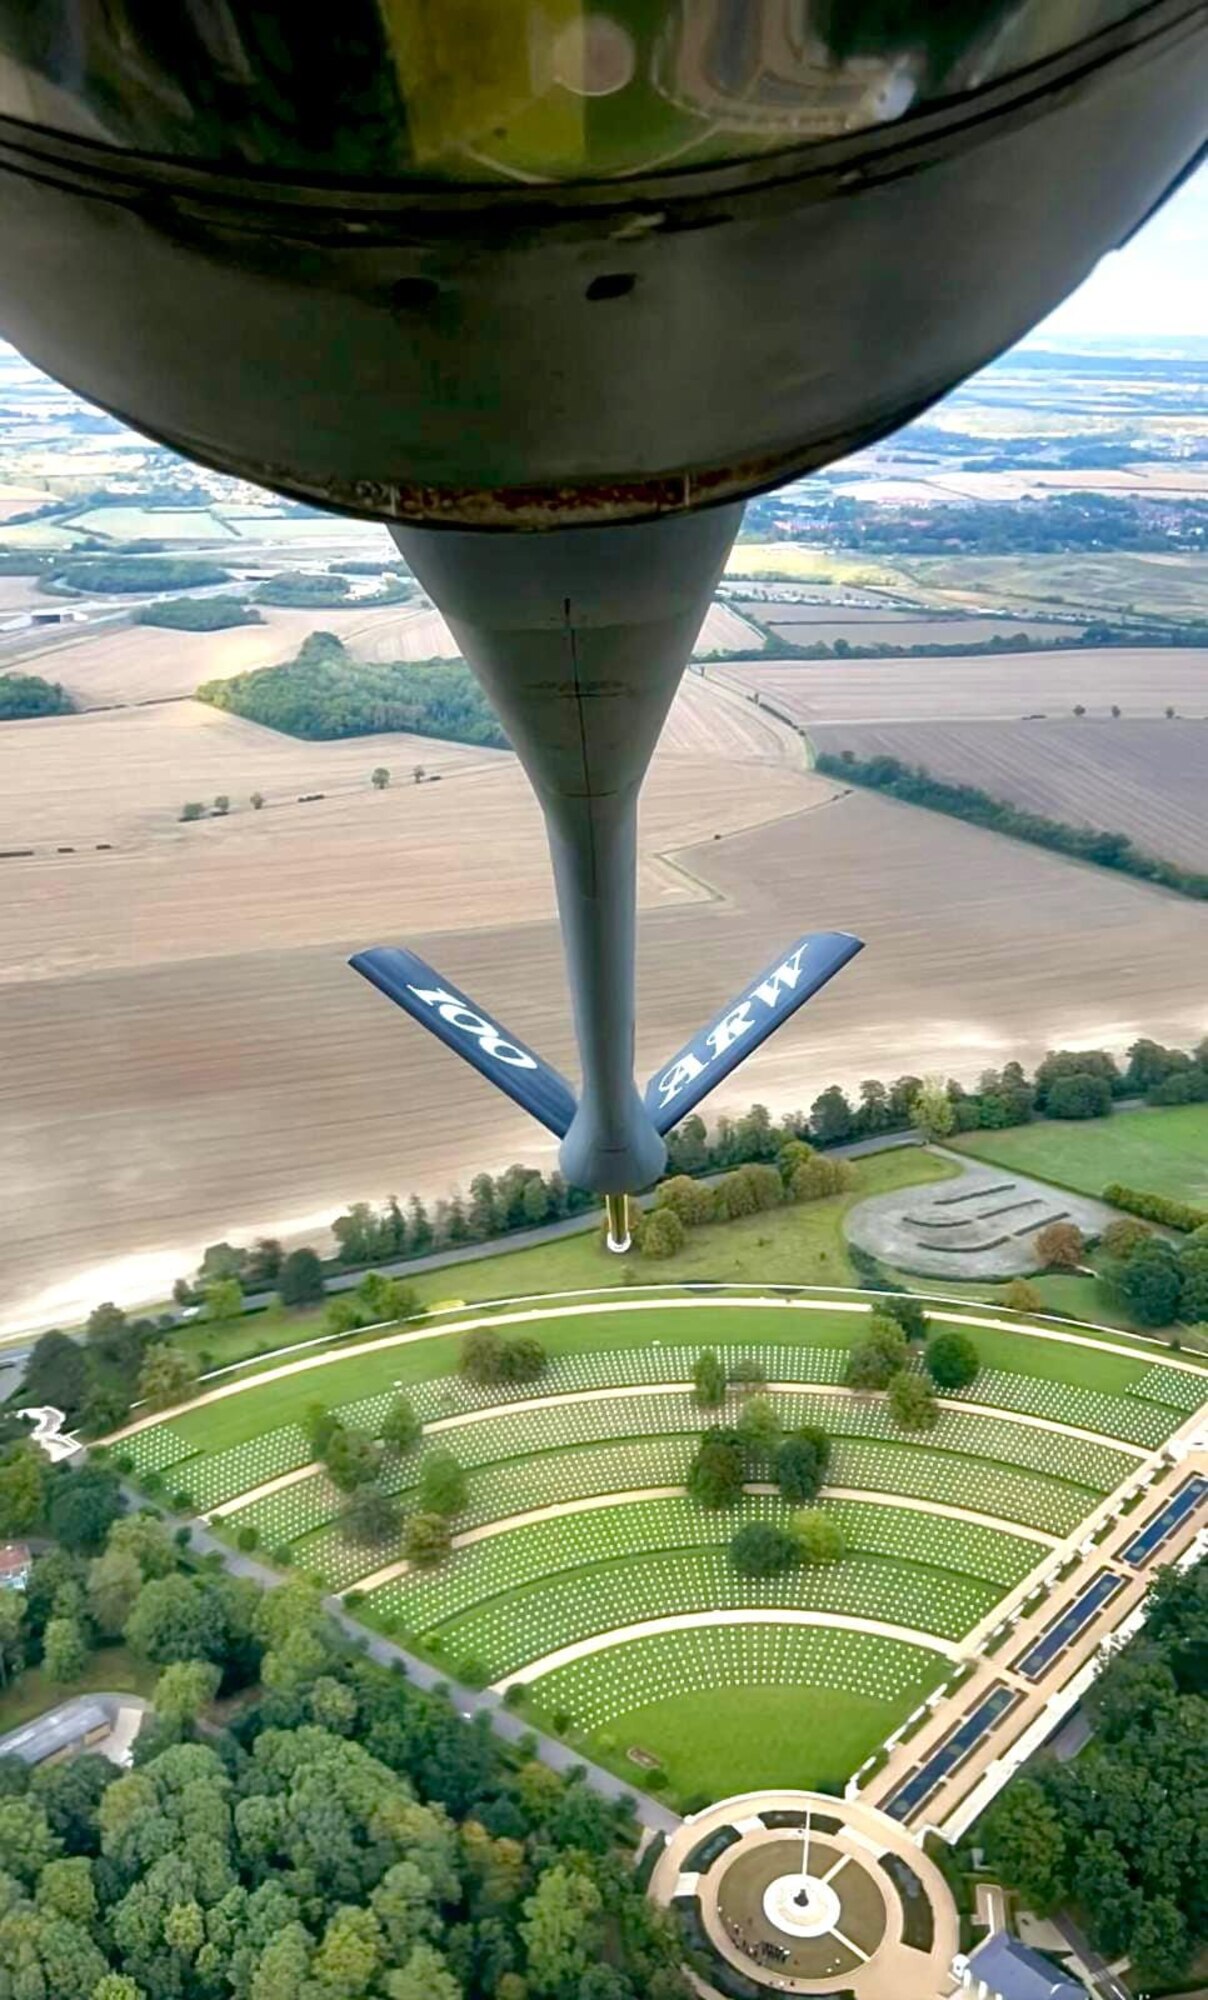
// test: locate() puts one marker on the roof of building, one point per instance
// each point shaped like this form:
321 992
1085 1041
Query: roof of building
1017 1972
58 1730
14 1557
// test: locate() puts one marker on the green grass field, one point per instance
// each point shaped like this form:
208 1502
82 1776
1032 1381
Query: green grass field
1164 1151
728 1709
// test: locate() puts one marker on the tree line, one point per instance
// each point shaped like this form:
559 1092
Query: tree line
1067 1084
324 693
779 646
1118 1831
920 787
118 573
332 1833
199 614
23 695
309 589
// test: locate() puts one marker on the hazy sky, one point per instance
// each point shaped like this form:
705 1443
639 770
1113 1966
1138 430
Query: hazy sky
1157 284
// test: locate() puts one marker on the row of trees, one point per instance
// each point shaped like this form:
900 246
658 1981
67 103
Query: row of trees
681 1203
324 692
1119 1830
921 787
343 1836
1067 1083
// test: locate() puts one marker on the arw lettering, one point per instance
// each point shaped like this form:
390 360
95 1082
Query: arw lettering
734 1024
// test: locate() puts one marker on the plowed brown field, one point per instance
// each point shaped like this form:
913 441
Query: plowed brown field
1146 779
184 1055
1006 689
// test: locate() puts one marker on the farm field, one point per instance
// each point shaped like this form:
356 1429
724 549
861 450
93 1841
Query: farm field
823 624
1145 779
1168 587
576 1542
809 565
234 1077
342 865
980 688
115 665
1163 1151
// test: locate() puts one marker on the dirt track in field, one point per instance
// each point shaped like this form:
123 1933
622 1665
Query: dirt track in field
1146 779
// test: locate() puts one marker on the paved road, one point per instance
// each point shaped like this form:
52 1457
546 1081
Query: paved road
469 1701
1105 1982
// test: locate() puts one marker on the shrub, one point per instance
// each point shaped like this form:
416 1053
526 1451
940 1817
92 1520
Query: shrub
1021 1297
912 1402
123 1463
369 1517
819 1537
708 1380
748 1373
1161 1208
1060 1245
876 1358
716 1473
801 1462
1122 1236
663 1234
283 1556
691 1200
248 1536
759 1549
183 1503
909 1315
951 1360
514 1694
814 1179
427 1542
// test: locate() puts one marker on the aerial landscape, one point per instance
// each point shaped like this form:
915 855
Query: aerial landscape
475 1525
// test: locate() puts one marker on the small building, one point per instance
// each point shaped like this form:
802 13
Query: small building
62 1732
1004 1969
15 1560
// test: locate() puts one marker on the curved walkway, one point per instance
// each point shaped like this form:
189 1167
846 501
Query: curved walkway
559 1508
630 1390
864 1304
689 1621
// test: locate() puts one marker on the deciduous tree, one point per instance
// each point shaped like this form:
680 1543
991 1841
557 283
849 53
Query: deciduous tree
877 1356
819 1537
912 1402
1060 1246
426 1539
951 1360
708 1380
715 1476
442 1483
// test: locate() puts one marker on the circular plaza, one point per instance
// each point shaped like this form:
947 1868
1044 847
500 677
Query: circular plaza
804 1893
